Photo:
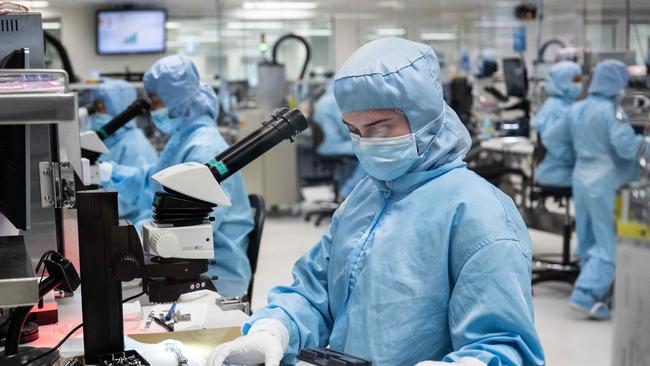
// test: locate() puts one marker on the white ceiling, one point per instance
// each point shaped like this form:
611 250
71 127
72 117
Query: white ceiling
361 8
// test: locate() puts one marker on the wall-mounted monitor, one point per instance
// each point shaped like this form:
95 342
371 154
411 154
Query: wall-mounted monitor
132 31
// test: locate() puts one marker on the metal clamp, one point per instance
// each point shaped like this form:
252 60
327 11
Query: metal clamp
57 185
234 303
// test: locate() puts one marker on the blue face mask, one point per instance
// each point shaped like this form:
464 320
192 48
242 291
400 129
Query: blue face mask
98 120
386 158
162 121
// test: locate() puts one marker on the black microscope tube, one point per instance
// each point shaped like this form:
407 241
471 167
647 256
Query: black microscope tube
138 107
284 124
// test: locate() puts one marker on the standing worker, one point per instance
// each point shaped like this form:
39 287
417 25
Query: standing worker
425 262
563 86
607 152
187 110
128 145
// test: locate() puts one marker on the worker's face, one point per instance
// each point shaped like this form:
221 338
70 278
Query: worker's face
377 123
155 101
100 107
577 79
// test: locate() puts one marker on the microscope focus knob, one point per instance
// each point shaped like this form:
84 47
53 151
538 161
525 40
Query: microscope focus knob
164 244
126 267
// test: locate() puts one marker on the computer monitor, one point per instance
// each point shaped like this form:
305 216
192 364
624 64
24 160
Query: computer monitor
516 78
131 31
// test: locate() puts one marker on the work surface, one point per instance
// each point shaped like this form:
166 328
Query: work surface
200 341
209 326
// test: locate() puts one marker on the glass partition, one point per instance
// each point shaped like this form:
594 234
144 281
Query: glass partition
233 49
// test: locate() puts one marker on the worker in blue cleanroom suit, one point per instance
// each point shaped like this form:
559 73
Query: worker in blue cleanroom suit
563 86
607 152
336 139
186 110
128 145
425 262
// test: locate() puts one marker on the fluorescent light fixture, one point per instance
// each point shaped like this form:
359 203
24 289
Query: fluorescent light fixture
314 32
234 33
33 4
279 5
497 24
172 25
52 26
506 4
390 4
437 36
390 32
254 25
192 40
274 14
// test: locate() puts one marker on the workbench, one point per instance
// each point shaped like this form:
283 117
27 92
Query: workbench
209 327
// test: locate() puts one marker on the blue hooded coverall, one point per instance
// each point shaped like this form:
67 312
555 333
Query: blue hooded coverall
606 151
128 145
434 265
550 122
196 139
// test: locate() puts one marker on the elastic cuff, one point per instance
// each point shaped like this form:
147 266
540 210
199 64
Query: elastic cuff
274 327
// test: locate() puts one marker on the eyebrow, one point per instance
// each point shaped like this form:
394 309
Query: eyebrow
378 122
369 124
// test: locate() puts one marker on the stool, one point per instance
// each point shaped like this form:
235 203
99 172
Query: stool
545 268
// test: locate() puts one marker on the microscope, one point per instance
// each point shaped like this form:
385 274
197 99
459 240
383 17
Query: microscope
178 241
92 142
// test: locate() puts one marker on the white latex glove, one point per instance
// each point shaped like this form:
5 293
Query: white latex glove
465 361
266 342
162 354
105 172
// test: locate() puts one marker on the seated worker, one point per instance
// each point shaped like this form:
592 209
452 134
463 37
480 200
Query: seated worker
336 140
607 152
128 145
425 260
563 86
186 110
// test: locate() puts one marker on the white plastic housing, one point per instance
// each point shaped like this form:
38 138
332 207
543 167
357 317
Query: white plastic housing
194 180
94 174
85 171
91 142
185 242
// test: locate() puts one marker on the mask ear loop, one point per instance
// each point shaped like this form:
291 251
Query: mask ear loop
426 127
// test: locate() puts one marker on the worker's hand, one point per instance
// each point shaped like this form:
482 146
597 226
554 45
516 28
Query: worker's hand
465 361
265 344
105 172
